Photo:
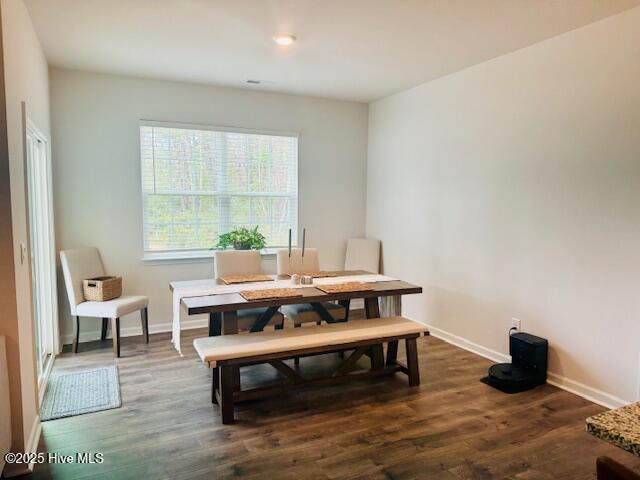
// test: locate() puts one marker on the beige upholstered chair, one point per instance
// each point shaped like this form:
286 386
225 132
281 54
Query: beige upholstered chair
237 262
297 263
243 262
82 263
304 313
363 254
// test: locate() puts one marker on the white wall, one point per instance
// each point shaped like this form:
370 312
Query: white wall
26 80
97 170
512 189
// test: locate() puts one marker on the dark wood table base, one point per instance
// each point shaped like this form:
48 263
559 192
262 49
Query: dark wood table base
226 390
227 323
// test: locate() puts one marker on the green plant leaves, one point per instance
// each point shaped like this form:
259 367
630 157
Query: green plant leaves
242 238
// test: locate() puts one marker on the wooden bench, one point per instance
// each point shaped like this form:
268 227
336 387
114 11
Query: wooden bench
225 354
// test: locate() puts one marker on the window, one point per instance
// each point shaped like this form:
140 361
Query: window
199 182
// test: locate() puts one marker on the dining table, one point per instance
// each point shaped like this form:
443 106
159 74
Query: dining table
221 301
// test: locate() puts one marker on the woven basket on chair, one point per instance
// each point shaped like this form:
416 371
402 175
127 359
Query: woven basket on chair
101 289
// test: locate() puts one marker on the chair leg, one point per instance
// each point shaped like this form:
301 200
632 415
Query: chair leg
115 333
105 326
412 361
76 335
144 319
226 393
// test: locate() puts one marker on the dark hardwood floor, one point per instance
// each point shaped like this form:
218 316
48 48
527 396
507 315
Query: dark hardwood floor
451 427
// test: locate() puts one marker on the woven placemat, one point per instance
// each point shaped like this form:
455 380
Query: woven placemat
345 287
231 279
270 293
320 274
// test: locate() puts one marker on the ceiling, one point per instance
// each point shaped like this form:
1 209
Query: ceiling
348 49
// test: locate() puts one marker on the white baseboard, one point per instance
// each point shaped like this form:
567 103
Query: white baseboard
585 391
17 469
136 330
469 345
34 438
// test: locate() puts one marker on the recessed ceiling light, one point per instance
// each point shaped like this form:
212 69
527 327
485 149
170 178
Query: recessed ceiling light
284 39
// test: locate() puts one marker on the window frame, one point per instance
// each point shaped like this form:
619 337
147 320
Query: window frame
205 255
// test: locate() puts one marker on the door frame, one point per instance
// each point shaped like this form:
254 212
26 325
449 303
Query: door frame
53 334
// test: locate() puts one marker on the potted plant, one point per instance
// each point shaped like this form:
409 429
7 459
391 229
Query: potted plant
242 238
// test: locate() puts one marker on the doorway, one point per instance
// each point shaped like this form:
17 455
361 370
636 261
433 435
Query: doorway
42 250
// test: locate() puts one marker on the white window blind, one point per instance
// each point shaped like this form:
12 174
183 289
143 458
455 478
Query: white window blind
198 183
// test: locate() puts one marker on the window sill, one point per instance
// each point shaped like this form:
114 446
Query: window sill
197 256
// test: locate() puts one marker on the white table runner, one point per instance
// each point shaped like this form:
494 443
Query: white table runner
201 288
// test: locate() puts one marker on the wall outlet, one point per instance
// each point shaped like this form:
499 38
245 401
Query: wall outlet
516 323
